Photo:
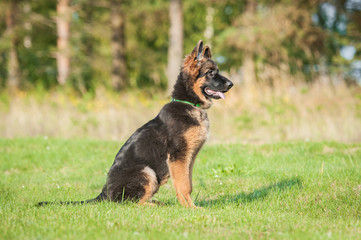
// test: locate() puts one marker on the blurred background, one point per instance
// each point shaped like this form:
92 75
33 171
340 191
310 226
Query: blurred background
102 68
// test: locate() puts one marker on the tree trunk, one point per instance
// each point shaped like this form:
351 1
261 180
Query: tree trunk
63 30
119 67
209 32
249 67
251 6
175 50
13 81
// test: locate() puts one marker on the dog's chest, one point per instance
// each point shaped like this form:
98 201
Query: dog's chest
204 128
201 131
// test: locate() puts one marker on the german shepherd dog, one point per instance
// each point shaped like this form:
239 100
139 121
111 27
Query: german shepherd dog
168 145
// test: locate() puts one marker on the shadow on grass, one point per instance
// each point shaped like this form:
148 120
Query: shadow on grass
257 194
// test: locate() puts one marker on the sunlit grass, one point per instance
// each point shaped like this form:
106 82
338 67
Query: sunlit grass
298 190
292 112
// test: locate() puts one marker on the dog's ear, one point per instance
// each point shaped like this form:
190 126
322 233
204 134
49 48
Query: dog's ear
200 50
197 52
207 52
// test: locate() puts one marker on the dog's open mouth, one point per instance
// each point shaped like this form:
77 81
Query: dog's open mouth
214 94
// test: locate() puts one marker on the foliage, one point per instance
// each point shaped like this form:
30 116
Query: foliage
276 34
287 36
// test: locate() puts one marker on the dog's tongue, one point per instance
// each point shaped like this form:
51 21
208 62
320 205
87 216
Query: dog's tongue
221 95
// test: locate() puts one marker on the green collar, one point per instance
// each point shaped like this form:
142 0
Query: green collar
193 104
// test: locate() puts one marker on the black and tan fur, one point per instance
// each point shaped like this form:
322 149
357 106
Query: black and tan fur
167 145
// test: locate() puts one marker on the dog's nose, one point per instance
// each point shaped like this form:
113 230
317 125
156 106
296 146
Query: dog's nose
229 84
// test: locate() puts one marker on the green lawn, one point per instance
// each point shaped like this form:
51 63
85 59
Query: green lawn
298 190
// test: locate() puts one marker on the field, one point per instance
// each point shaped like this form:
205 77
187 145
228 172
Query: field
297 190
289 112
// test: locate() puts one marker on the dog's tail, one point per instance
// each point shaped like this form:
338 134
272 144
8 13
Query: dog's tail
99 198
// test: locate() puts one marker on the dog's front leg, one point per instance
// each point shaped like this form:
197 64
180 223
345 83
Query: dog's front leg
181 177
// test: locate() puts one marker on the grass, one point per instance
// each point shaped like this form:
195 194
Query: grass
317 112
297 190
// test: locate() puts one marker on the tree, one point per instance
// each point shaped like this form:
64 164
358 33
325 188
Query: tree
279 36
63 31
119 67
175 50
146 39
342 22
249 69
13 80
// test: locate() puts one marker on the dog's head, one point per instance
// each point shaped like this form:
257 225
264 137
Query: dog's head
203 75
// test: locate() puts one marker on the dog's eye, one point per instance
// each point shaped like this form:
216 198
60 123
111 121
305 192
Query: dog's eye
211 73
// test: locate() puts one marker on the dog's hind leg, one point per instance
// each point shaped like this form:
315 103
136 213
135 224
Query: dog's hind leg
138 183
150 188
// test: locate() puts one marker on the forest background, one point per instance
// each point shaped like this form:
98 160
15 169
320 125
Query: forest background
100 69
